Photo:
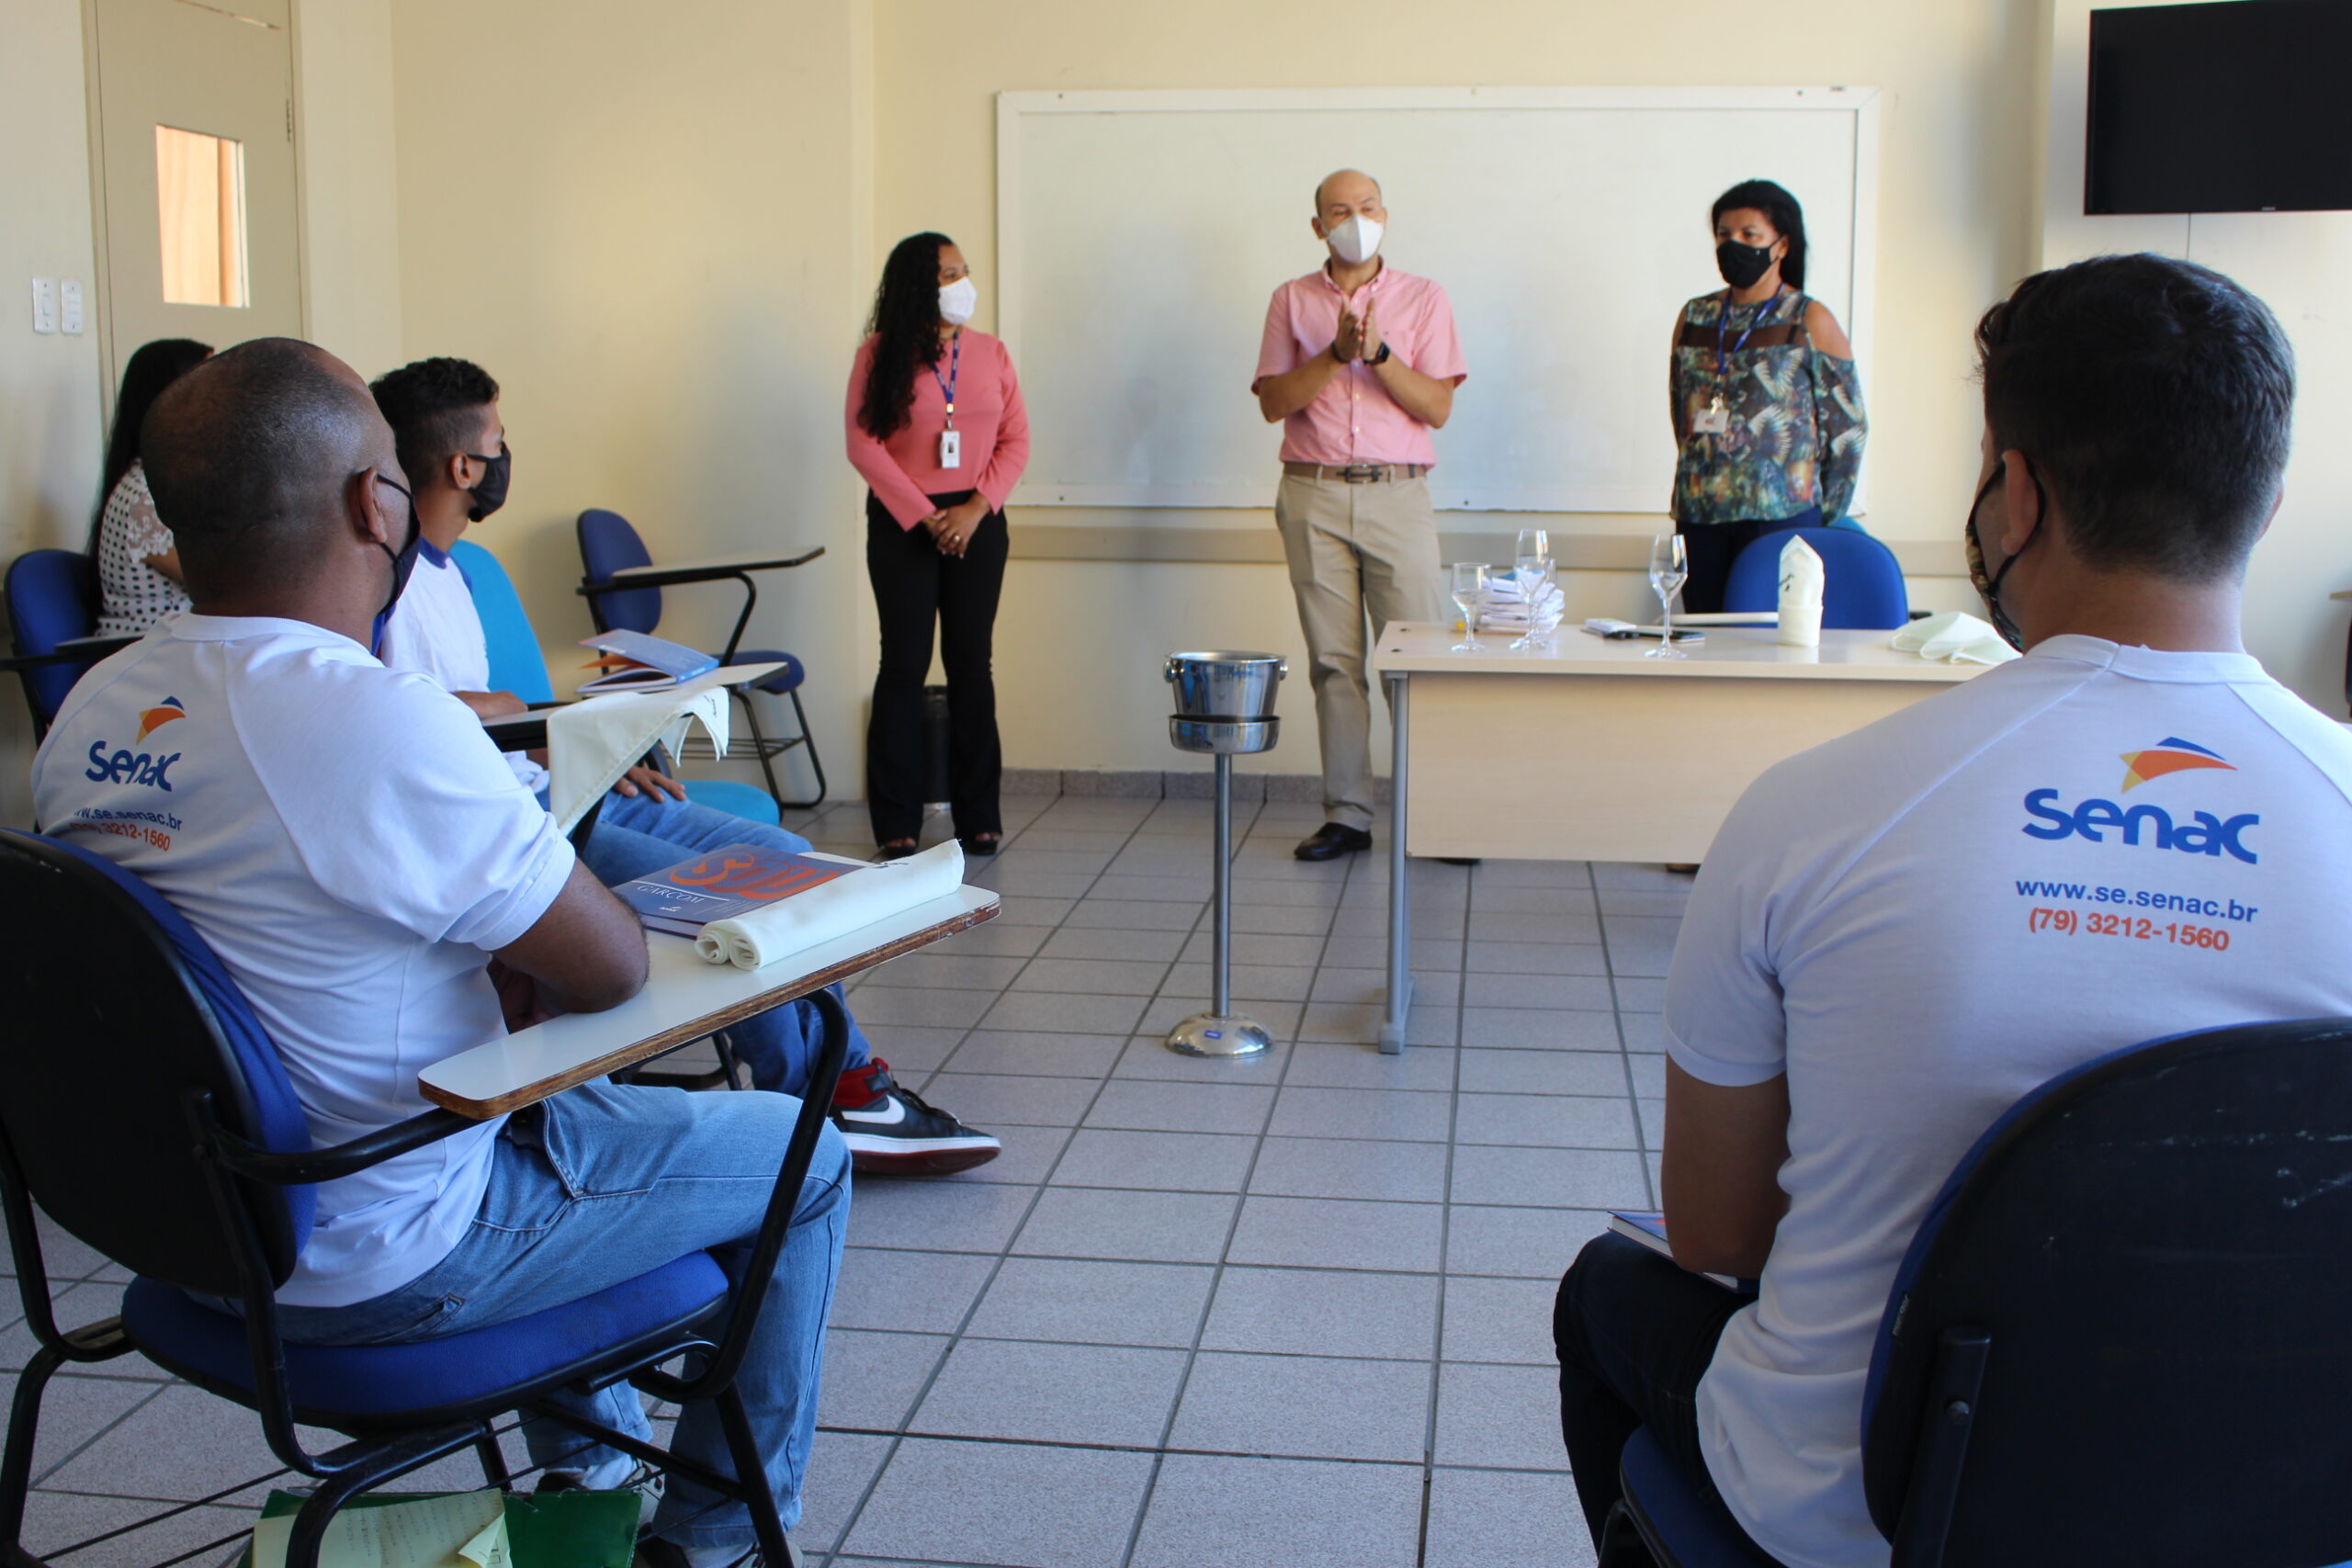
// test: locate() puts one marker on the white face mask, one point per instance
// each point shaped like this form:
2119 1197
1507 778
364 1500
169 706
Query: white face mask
957 301
1357 241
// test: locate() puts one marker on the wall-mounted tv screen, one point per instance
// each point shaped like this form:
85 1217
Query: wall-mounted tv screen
2228 108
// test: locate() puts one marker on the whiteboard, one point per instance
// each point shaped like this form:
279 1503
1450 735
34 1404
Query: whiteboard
1139 236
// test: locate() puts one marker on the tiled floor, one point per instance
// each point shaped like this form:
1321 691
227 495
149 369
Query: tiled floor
1288 1313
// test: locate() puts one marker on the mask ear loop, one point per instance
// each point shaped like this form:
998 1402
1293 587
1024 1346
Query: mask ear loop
2003 623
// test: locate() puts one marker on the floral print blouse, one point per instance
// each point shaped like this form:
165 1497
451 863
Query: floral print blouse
1792 428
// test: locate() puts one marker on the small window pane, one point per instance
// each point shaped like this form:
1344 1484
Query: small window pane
201 195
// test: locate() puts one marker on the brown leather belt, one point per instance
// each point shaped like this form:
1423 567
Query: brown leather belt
1357 473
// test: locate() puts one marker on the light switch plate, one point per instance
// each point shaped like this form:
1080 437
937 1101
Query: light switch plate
69 306
44 304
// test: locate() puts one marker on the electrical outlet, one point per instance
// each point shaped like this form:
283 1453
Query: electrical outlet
69 306
44 304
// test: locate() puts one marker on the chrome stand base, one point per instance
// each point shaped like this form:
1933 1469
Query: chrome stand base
1214 1035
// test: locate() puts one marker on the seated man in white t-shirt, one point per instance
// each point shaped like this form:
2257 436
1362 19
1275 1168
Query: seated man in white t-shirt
355 850
1859 990
444 414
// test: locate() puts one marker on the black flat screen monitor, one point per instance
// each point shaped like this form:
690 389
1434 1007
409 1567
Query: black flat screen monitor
2229 108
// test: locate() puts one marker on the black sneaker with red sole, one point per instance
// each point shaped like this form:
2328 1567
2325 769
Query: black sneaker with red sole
893 1130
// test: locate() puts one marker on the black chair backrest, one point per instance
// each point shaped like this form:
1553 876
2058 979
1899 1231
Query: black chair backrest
119 1014
2158 1246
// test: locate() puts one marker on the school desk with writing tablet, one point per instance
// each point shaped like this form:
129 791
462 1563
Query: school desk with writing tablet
683 999
1586 749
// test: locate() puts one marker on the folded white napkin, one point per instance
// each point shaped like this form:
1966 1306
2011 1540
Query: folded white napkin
1506 605
1957 637
1800 576
591 743
833 908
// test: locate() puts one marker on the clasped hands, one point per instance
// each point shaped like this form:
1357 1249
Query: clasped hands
1359 336
951 528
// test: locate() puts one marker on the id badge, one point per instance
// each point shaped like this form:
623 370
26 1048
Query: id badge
1714 420
950 449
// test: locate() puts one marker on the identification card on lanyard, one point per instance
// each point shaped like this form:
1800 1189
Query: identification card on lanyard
1716 418
951 443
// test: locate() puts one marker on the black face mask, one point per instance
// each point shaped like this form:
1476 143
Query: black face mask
1742 265
403 563
491 493
1988 585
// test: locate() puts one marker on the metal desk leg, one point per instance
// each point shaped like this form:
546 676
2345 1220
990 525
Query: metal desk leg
1400 903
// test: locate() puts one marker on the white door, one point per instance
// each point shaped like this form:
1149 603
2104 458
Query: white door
198 227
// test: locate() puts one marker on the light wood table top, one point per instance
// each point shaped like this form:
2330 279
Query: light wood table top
683 999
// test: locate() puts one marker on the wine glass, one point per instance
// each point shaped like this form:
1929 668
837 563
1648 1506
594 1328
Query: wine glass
1469 589
1533 542
1668 567
1533 575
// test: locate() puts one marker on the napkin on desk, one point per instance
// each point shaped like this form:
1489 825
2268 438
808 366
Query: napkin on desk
834 908
1957 637
590 744
1507 607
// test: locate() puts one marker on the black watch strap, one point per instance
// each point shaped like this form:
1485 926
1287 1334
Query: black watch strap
1380 358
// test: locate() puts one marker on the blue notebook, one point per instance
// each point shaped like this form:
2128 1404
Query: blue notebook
731 881
634 661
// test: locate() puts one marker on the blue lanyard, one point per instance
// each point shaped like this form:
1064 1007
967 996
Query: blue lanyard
1762 309
955 371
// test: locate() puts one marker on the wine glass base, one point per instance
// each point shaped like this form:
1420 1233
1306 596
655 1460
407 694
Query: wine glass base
1665 650
1473 646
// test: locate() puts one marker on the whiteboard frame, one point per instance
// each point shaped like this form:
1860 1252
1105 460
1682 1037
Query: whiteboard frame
1862 103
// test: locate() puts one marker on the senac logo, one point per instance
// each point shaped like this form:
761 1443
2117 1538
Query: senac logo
2202 834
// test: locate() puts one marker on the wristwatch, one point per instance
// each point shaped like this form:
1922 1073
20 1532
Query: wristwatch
1380 358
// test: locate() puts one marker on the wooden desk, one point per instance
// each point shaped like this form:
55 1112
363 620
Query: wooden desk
1586 749
683 999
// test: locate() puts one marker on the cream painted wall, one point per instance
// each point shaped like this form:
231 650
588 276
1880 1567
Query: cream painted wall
1079 643
349 163
50 437
653 230
2297 262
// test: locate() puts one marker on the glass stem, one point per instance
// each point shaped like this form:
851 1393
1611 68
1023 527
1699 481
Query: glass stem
1666 620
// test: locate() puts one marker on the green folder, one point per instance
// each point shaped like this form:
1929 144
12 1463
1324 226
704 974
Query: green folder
553 1529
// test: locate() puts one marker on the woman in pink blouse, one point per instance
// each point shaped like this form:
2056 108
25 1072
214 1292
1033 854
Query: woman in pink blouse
937 430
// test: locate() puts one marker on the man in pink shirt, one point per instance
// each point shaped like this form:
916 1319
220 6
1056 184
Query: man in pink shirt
1359 362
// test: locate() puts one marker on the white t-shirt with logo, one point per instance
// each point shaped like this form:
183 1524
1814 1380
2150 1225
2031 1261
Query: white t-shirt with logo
350 843
1919 922
436 631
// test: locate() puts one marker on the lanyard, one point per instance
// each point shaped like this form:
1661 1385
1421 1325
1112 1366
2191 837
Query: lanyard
1762 309
955 371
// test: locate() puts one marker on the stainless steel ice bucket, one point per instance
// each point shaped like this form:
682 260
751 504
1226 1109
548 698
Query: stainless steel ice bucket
1225 684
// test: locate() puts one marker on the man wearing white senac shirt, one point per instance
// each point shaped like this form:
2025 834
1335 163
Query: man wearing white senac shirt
1358 363
1860 990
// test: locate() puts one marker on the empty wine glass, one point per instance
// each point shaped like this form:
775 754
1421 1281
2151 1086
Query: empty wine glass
1668 567
1533 575
1533 542
1469 589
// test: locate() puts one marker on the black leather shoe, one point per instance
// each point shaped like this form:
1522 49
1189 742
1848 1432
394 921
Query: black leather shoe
1331 841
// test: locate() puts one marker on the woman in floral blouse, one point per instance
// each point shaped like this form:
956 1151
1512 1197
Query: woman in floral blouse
139 563
1768 410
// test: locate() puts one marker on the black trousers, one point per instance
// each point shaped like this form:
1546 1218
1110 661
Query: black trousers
1711 547
1635 1334
915 585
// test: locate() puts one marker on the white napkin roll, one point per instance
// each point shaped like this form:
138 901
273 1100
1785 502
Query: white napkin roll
834 908
1954 637
1800 576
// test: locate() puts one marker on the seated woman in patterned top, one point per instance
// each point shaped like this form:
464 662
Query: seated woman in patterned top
139 564
1766 407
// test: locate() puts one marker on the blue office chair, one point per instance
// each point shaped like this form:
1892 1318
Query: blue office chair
608 545
516 665
53 598
156 1124
2119 1335
1861 582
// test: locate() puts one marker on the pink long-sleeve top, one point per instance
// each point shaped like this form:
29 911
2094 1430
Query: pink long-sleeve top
904 471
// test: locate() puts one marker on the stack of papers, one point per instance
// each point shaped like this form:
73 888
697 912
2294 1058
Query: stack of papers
1507 606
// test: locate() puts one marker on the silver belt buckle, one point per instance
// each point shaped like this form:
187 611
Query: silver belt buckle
1364 473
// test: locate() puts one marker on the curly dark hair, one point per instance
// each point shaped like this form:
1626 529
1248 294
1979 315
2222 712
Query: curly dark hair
430 405
153 366
906 323
1775 203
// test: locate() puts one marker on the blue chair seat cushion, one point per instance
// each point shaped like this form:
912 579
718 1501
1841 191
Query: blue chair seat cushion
748 801
349 1386
1688 1522
783 679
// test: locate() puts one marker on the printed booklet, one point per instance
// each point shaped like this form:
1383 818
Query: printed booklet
728 882
1649 1230
633 662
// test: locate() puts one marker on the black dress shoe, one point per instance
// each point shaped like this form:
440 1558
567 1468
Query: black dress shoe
1331 841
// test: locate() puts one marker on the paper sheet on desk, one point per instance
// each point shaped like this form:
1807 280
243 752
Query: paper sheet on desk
466 1530
870 894
1956 637
590 744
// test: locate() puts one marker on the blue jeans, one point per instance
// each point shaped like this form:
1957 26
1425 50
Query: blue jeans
637 835
604 1183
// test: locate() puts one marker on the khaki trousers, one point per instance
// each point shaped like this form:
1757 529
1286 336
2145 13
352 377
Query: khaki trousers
1353 550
